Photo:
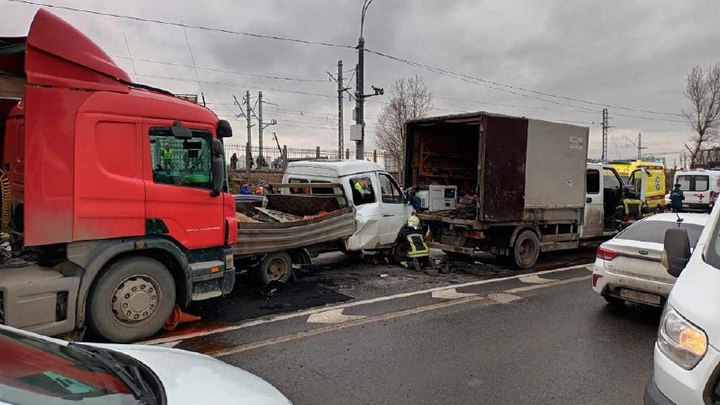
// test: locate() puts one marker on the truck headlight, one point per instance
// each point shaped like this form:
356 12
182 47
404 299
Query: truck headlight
229 261
680 340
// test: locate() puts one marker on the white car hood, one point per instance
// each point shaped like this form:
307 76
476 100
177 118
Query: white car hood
192 378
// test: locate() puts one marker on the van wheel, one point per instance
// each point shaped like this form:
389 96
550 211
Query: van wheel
131 300
275 267
526 249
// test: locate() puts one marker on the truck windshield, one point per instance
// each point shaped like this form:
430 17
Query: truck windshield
693 182
34 370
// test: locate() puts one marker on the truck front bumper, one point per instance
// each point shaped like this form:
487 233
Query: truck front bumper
38 299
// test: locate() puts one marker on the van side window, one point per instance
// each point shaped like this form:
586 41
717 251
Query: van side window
181 162
362 190
611 181
593 181
298 190
389 190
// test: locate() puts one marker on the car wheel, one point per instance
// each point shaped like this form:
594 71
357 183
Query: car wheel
131 299
275 267
526 249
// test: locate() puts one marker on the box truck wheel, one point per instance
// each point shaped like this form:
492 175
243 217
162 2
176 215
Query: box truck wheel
275 267
526 249
131 299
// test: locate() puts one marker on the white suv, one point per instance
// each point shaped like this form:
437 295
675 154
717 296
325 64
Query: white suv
687 351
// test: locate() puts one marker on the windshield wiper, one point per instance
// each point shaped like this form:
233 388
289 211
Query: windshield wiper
128 373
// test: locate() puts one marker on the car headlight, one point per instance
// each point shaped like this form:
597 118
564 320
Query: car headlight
680 340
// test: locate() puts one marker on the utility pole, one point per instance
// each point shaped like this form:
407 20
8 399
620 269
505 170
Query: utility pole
603 156
640 147
341 89
360 99
248 118
262 126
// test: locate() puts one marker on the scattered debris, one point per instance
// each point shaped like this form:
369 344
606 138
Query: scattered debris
383 275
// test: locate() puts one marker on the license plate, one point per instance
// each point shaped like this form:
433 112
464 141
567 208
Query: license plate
640 296
686 205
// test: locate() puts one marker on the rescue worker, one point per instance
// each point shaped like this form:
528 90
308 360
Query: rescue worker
167 156
362 186
244 189
676 198
417 249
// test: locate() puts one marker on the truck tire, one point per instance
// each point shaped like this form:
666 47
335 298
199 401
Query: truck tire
526 249
275 267
131 300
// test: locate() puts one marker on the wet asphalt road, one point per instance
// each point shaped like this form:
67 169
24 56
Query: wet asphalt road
556 344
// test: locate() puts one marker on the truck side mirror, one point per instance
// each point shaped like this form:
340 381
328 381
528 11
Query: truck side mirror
218 168
224 130
676 251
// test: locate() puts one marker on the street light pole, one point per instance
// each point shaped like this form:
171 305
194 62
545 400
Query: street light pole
360 87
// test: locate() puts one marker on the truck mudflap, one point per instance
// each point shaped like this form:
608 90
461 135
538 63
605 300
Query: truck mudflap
38 299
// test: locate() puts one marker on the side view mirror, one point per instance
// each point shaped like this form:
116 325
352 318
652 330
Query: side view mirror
218 168
224 130
676 252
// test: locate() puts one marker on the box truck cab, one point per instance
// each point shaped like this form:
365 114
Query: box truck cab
700 187
647 179
381 208
687 350
603 194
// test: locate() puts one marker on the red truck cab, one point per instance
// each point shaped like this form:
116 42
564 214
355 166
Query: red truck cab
114 193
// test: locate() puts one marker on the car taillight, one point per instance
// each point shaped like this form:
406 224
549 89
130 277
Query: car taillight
595 278
606 254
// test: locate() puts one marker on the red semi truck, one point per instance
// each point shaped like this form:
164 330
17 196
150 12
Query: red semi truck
114 206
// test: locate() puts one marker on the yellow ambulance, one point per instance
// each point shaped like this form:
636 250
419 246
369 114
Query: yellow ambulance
646 178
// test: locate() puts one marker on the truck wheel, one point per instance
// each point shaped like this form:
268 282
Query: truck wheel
131 300
275 267
526 249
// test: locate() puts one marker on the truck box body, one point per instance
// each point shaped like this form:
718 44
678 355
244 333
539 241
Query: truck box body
521 170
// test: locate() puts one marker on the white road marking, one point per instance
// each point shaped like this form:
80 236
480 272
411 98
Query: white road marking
451 294
332 316
170 345
503 298
535 279
553 284
384 317
281 317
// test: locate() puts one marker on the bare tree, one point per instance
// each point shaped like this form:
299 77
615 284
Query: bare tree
410 99
703 116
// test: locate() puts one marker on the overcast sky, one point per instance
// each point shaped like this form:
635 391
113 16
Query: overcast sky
633 54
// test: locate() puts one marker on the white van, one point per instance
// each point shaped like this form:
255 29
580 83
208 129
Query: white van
700 187
687 351
380 214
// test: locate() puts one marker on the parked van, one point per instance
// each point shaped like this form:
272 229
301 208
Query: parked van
381 208
647 179
687 351
700 187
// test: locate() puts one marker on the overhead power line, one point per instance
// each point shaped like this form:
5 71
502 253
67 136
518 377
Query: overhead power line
510 88
180 24
234 72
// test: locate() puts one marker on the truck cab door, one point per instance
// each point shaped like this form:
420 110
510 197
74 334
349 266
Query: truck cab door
178 184
594 205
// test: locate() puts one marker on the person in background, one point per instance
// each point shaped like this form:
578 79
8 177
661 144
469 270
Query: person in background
233 161
244 189
676 198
